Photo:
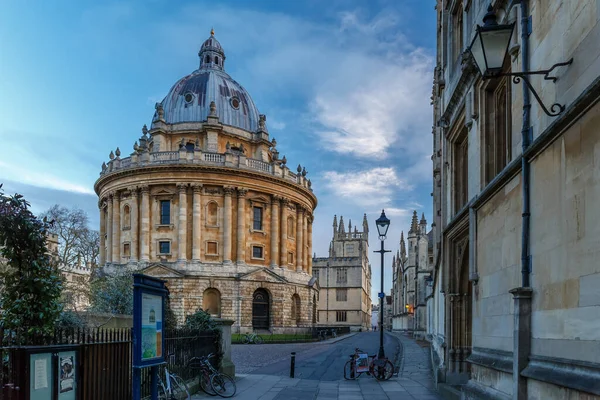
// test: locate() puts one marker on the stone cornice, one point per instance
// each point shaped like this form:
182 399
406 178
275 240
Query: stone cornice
201 167
466 79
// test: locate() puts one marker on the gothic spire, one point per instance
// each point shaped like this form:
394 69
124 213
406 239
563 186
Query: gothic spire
414 224
365 224
335 225
342 229
423 220
402 245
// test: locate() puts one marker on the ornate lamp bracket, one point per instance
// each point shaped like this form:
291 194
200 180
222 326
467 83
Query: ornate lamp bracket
555 109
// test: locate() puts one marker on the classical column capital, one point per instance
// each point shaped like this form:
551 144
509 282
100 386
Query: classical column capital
300 209
284 201
102 203
134 191
197 187
276 198
228 190
145 189
241 192
182 187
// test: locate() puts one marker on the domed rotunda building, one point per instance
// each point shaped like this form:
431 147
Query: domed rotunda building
205 202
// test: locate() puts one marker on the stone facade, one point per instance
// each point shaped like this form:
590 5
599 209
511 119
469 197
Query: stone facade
345 278
412 270
514 291
209 206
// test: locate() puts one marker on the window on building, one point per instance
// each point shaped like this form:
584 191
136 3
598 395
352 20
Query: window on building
212 248
164 247
496 133
258 218
290 257
457 31
165 212
126 250
341 316
342 275
315 273
461 170
257 252
126 223
341 294
190 147
291 232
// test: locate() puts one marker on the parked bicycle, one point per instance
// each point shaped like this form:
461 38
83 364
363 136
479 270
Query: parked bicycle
252 338
333 333
213 382
381 369
173 387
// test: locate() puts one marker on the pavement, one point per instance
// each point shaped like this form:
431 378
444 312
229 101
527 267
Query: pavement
413 381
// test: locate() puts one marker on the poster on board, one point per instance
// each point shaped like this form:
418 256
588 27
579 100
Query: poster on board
362 363
67 374
152 322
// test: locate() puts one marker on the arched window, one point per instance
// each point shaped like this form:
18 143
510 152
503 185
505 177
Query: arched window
190 147
291 232
207 59
217 60
126 223
211 302
296 308
212 211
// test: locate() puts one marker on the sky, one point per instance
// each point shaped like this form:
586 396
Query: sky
345 85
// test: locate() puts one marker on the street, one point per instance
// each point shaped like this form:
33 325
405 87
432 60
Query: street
319 370
319 360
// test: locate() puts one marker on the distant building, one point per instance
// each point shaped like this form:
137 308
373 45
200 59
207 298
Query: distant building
345 278
411 274
374 316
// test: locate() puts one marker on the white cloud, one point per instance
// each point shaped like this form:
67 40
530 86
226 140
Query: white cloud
365 188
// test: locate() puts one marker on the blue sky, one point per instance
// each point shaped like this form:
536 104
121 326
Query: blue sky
345 85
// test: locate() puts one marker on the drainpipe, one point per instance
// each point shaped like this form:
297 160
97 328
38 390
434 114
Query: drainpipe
525 135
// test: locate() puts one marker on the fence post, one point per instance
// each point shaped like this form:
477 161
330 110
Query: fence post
293 364
224 325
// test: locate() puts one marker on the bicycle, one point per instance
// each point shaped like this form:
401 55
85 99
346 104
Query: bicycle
213 382
174 388
252 338
380 369
333 333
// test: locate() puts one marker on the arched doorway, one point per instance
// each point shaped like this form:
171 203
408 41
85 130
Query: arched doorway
260 309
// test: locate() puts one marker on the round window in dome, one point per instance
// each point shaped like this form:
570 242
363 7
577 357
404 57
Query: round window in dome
188 97
235 102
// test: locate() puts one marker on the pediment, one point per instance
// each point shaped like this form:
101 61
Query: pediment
163 192
161 271
262 275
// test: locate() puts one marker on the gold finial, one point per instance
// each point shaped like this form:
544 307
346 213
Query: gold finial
212 32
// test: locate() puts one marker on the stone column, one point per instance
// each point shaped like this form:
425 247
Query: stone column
102 254
241 226
299 244
182 226
145 224
109 229
116 229
226 366
304 242
197 223
309 238
134 224
521 339
284 228
274 230
228 191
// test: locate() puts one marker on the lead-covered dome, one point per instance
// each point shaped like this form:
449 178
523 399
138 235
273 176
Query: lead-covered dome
189 99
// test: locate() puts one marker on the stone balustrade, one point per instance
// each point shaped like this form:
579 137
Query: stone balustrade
144 159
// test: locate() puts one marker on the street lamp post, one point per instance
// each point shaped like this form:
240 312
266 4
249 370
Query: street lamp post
383 223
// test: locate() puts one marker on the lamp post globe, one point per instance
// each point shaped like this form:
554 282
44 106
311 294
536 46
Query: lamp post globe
383 223
490 45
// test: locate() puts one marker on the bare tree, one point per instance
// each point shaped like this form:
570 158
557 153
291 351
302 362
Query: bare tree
89 247
71 226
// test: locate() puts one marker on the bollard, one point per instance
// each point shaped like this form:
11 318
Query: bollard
293 364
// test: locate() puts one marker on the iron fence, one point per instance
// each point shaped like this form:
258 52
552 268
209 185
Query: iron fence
103 363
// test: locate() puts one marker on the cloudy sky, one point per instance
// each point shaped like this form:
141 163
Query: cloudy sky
345 85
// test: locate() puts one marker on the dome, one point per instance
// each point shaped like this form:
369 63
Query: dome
189 99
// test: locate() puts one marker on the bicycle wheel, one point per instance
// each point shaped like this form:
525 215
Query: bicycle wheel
258 340
162 390
246 339
223 385
205 384
178 388
385 371
350 371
